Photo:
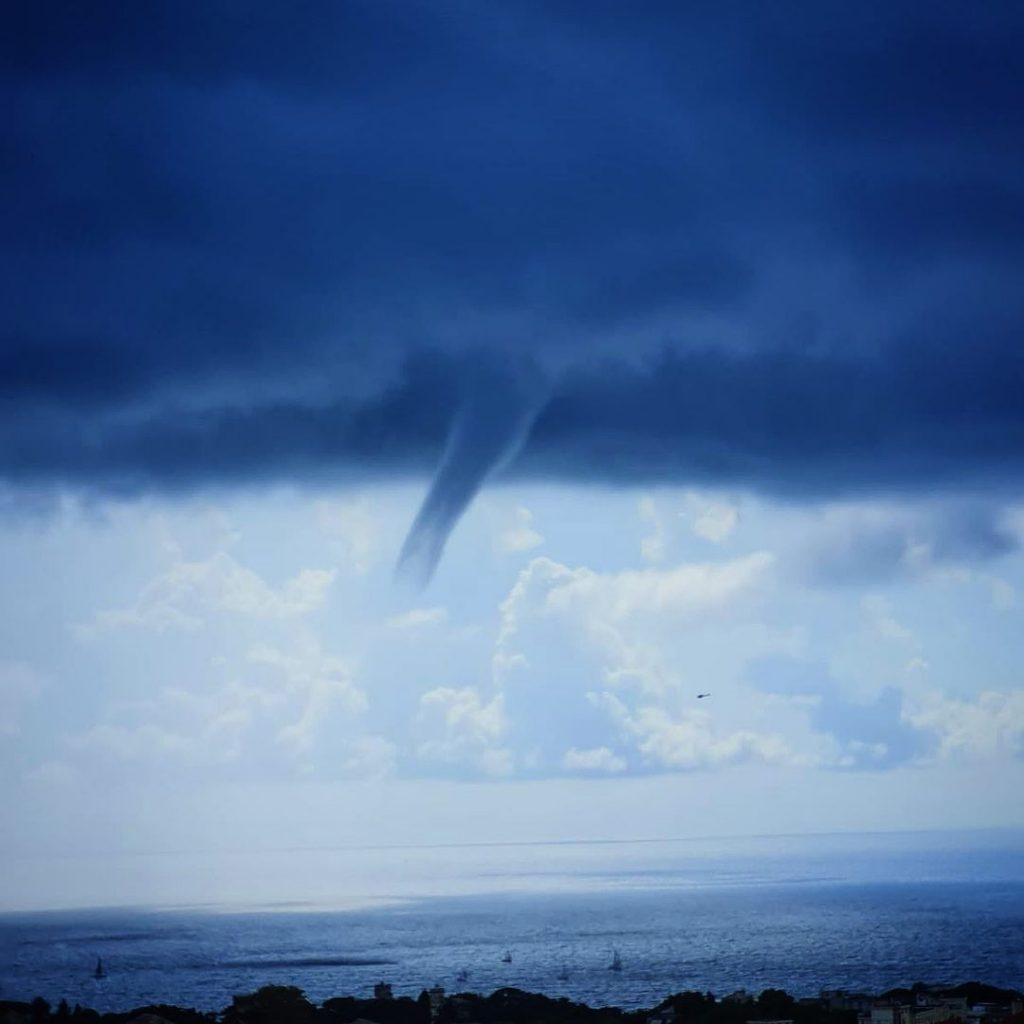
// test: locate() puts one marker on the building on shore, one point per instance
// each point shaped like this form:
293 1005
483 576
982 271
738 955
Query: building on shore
841 999
436 997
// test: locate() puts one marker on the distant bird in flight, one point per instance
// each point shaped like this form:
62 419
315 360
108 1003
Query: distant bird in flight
701 696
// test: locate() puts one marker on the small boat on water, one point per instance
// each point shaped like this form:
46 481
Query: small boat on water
563 974
616 964
99 972
462 977
506 957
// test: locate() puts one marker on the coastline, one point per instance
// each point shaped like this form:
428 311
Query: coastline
969 1002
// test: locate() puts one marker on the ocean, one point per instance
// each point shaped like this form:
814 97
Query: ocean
861 912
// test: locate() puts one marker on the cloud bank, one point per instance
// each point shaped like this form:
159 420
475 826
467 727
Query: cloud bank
762 246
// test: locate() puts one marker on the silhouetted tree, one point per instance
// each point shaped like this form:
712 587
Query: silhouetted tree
272 1004
423 1008
773 1002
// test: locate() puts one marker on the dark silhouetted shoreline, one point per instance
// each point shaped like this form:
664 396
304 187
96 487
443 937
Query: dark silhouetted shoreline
967 1003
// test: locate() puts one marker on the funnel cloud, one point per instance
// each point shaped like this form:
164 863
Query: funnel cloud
487 433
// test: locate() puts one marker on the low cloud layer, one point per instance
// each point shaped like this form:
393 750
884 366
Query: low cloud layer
792 423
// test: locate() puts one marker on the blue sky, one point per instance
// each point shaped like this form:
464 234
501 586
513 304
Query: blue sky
407 410
227 679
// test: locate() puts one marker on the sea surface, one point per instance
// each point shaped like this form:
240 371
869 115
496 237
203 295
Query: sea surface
863 913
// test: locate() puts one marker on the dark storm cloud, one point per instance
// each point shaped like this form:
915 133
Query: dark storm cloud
770 244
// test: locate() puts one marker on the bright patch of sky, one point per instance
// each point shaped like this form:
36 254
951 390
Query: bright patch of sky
200 674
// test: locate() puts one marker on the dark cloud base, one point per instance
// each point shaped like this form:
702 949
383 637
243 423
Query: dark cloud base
782 422
768 246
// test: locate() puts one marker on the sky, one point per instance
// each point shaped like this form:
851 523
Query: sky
407 410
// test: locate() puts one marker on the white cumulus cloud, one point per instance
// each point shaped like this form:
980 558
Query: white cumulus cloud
715 521
880 612
596 759
989 726
654 546
521 535
418 618
686 592
457 725
182 597
686 740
